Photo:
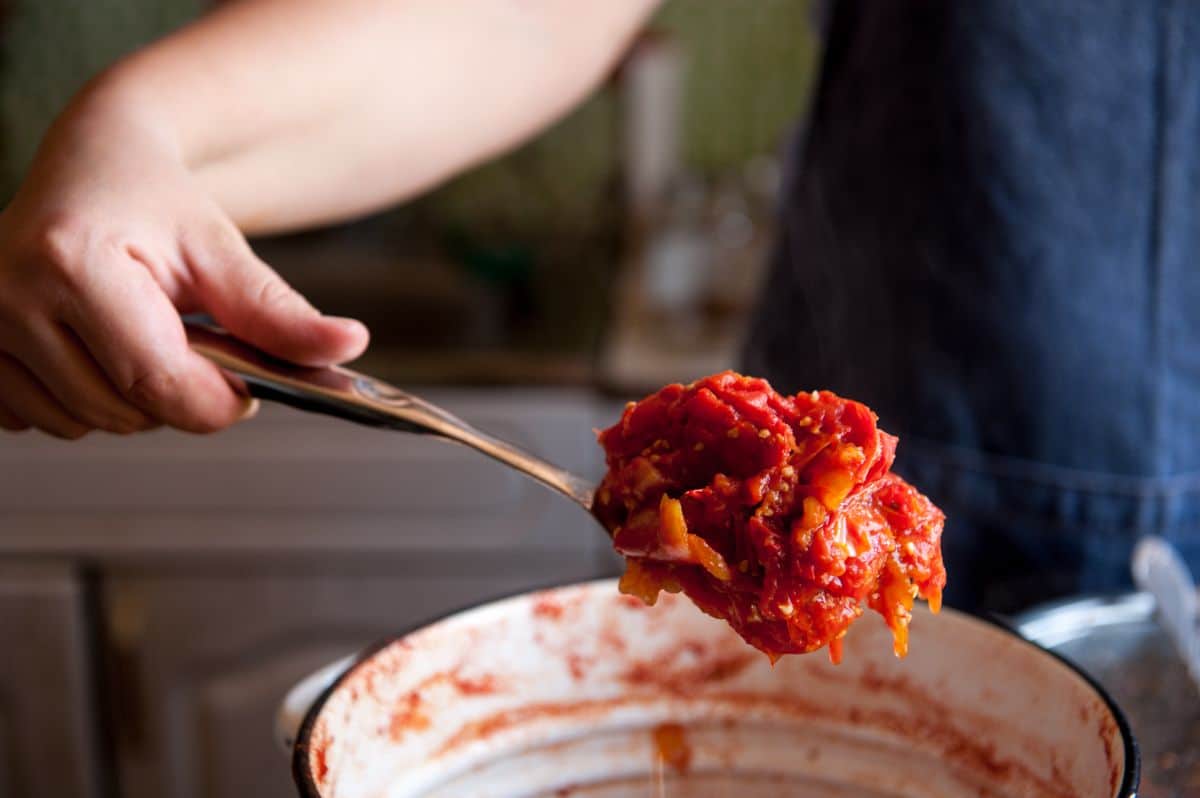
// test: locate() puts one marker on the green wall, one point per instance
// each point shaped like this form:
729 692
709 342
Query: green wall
750 66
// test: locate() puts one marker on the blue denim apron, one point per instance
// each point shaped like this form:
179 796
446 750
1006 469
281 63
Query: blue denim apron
991 234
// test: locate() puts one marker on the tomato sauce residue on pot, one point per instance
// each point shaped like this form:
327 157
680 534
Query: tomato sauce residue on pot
776 513
967 751
685 679
547 607
322 766
409 714
407 717
671 746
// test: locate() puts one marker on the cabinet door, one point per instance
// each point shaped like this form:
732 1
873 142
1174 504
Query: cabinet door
291 483
200 663
47 740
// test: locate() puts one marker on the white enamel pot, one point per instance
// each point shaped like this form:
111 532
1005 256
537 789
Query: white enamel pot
581 691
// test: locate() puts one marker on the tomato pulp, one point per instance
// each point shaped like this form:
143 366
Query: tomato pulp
776 513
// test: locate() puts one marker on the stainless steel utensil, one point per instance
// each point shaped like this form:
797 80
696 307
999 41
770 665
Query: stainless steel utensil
1158 569
348 395
1117 639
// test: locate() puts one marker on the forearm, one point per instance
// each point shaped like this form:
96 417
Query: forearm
295 112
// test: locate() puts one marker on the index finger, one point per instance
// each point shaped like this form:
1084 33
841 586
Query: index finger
136 336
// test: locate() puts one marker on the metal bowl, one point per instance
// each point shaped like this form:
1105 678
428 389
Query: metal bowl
1117 640
581 691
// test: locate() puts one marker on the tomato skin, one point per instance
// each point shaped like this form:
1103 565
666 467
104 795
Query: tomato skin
779 514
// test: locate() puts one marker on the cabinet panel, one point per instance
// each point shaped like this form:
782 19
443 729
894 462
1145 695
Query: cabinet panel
200 663
8 776
289 482
47 739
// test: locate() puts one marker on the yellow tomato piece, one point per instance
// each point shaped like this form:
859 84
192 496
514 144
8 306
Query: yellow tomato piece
833 486
637 581
709 558
672 529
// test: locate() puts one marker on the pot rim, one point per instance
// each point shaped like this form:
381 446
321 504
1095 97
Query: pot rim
302 775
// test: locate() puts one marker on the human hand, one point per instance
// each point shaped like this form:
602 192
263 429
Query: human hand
107 242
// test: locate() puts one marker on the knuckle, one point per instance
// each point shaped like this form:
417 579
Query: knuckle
63 253
68 432
273 292
97 416
228 241
60 239
115 416
142 424
215 244
64 249
118 425
161 393
153 388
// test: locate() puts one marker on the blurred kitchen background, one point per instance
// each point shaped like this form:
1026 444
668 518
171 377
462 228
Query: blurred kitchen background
159 595
623 247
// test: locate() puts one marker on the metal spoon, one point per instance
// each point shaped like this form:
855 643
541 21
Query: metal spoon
348 395
1159 570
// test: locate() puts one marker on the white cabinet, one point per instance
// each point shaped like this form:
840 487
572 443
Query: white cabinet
227 567
201 662
47 737
289 482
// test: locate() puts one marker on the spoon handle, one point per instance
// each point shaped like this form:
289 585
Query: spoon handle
348 395
1160 570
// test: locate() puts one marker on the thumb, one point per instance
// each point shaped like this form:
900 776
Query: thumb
252 302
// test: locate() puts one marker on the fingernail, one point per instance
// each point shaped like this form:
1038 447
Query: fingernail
250 408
